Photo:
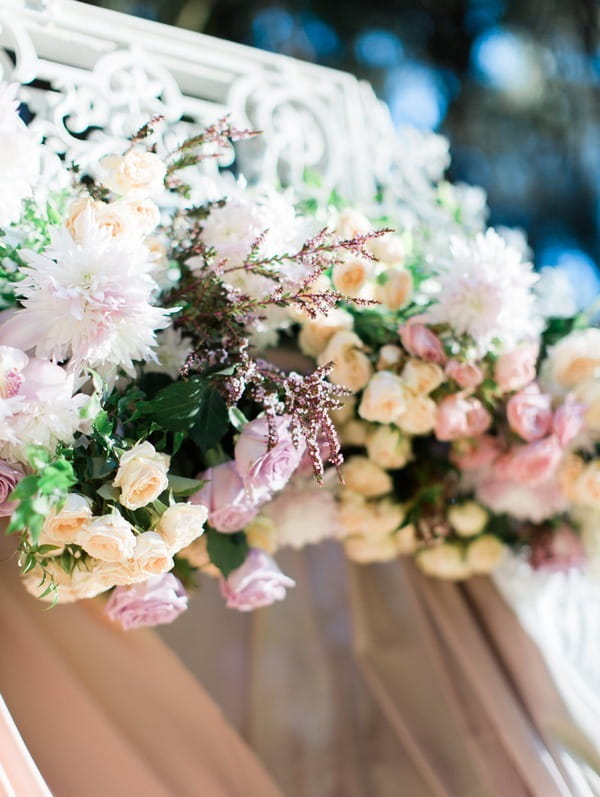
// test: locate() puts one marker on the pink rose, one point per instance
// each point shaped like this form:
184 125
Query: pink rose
9 477
556 550
464 374
258 582
529 413
157 601
461 416
569 420
530 464
477 453
421 342
229 505
263 469
516 368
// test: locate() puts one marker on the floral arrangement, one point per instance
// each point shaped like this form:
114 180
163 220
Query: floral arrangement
151 425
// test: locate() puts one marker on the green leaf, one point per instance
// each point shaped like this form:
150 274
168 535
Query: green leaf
176 406
237 418
226 551
183 487
212 420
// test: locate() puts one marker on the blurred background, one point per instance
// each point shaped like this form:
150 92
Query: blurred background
514 84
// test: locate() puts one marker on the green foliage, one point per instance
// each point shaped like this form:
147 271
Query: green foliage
374 327
194 406
41 491
226 551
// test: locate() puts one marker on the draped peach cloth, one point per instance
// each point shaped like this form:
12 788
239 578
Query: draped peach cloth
376 680
106 712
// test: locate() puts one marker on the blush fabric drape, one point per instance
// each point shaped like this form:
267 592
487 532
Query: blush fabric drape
107 712
377 680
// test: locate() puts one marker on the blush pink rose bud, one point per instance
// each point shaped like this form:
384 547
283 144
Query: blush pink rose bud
263 469
421 342
461 416
476 453
556 551
466 375
516 368
9 477
531 464
157 601
258 582
529 413
569 421
229 505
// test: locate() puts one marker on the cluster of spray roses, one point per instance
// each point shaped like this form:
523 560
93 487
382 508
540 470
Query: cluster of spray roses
139 429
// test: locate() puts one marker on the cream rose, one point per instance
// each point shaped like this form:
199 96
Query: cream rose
142 475
589 394
316 333
385 398
484 554
145 212
390 357
365 477
351 275
61 528
587 485
576 358
445 561
396 288
352 366
152 555
406 540
350 223
82 582
354 433
468 518
109 538
388 447
419 417
370 548
354 512
135 174
181 524
422 377
389 249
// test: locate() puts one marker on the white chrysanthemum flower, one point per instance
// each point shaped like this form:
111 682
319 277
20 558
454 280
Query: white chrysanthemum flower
88 301
555 294
231 230
19 157
171 353
486 292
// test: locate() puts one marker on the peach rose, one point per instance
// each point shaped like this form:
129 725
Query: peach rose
135 174
421 342
181 524
109 538
352 367
445 561
145 212
351 275
461 416
152 554
587 485
354 433
350 223
475 453
419 417
390 357
388 447
142 475
366 548
422 377
516 369
358 515
316 333
395 289
389 249
365 477
589 394
62 528
465 374
467 518
576 358
484 554
197 555
384 399
529 413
